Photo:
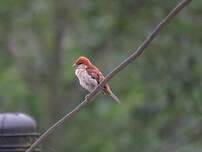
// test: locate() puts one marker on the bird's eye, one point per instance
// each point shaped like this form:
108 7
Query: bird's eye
79 63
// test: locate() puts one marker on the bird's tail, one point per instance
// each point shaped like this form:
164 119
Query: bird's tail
113 96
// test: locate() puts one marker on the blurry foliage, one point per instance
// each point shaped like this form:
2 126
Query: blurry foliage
161 93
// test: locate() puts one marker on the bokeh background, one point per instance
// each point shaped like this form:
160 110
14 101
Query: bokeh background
161 92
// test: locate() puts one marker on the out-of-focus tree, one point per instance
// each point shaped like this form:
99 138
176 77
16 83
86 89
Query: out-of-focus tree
160 93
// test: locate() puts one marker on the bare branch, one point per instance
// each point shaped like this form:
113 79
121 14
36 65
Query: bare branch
131 58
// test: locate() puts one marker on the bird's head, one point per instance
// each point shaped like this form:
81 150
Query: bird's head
81 63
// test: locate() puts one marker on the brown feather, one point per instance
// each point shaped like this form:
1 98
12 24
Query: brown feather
95 73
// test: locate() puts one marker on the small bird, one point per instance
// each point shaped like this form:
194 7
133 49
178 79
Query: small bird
90 77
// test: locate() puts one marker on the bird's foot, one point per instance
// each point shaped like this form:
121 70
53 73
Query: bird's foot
86 97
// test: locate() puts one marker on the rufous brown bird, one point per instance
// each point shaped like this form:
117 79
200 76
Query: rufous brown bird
90 76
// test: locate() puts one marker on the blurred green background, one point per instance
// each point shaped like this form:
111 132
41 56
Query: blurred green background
161 92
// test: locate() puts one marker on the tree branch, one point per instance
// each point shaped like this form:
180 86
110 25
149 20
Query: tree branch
131 58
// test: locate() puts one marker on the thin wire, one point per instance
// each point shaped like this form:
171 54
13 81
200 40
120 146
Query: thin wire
131 58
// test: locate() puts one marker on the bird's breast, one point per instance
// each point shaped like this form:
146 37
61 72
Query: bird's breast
85 80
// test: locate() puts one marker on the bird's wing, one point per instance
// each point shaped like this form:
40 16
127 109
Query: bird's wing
95 74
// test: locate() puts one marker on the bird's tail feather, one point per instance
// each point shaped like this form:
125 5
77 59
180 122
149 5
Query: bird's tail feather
114 96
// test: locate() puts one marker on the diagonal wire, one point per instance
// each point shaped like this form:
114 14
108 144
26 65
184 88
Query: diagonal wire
117 69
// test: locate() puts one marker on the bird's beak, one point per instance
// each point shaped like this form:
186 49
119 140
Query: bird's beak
74 65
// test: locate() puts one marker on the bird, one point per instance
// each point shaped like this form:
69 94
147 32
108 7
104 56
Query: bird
90 77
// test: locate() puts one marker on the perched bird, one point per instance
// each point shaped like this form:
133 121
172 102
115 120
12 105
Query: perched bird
90 76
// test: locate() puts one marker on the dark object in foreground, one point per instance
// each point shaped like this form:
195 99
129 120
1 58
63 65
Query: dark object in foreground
17 132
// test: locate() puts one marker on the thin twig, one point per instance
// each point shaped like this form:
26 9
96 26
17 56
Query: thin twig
131 58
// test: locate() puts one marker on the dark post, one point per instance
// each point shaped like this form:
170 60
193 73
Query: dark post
17 132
